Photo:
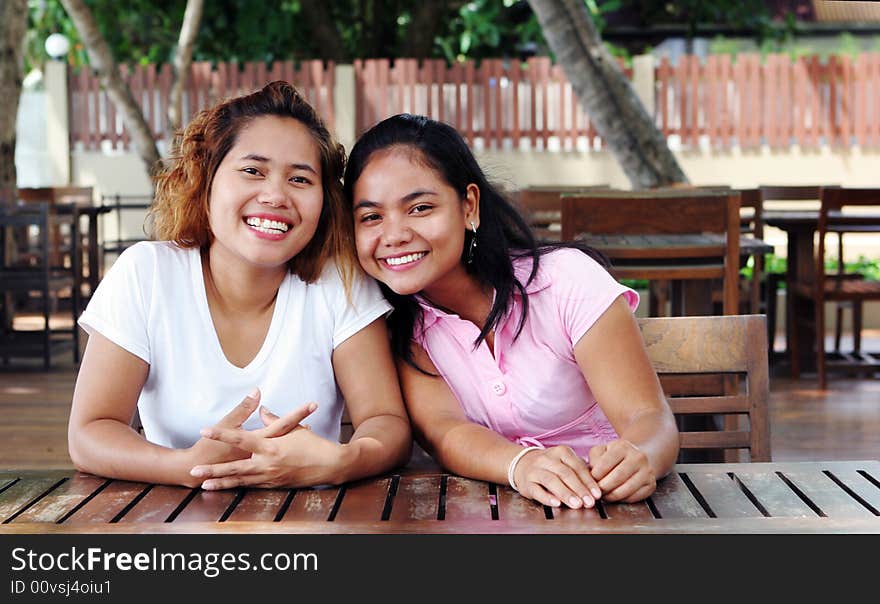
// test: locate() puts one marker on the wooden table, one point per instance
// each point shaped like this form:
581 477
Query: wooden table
800 228
677 255
802 497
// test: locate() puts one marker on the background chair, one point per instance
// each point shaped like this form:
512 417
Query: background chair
694 358
542 207
32 280
669 235
66 200
778 195
822 287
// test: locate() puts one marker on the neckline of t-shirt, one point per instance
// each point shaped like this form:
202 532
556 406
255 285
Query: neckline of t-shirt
274 326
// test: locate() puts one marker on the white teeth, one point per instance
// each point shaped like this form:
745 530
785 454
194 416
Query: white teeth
404 259
264 225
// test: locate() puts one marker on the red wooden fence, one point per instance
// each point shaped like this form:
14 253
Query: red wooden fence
778 101
719 102
497 102
93 118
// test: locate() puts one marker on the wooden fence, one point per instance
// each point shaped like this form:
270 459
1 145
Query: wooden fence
720 102
778 101
94 119
497 101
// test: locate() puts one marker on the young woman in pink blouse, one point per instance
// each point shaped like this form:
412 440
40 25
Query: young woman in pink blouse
520 362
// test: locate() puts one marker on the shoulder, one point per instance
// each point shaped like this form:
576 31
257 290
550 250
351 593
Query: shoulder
146 253
361 287
555 267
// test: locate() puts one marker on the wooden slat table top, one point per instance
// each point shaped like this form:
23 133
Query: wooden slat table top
795 497
783 219
662 246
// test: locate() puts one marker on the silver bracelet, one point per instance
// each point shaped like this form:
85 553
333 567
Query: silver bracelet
512 466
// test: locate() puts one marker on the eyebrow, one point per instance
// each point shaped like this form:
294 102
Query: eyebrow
366 203
295 166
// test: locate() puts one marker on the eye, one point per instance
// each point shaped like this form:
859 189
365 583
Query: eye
421 208
370 217
300 180
251 170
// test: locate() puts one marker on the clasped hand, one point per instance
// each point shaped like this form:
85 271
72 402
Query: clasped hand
283 453
618 471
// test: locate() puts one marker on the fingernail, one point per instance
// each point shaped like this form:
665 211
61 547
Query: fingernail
206 432
574 502
254 393
312 407
208 485
596 491
588 501
555 503
197 472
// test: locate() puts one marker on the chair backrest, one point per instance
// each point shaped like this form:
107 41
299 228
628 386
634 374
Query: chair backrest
549 198
752 222
671 212
715 346
64 194
18 217
832 218
791 192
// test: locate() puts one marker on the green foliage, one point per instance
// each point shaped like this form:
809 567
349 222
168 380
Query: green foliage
848 44
138 31
869 267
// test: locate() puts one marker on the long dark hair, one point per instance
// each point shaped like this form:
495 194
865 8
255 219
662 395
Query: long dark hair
503 234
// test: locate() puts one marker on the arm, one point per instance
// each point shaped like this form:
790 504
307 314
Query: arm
469 449
285 454
101 440
366 376
615 364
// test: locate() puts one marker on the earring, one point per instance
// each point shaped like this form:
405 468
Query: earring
470 254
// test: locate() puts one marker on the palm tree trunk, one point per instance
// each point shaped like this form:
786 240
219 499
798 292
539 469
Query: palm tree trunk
606 95
192 19
102 62
13 25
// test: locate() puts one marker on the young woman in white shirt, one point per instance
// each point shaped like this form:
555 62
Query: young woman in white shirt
249 297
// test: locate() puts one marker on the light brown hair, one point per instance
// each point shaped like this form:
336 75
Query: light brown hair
180 210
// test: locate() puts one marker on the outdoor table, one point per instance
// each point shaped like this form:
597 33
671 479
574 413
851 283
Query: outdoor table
795 497
683 254
800 228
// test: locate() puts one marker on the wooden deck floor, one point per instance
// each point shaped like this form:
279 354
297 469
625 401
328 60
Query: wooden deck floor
806 424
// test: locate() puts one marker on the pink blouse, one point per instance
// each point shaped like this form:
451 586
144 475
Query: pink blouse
532 390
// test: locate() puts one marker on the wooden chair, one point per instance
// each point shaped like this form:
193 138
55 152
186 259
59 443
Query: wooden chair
128 206
654 224
542 207
801 193
60 234
826 287
694 358
37 279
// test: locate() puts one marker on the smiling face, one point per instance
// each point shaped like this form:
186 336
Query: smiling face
410 223
267 195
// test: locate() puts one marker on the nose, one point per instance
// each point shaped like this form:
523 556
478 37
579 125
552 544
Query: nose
274 193
396 232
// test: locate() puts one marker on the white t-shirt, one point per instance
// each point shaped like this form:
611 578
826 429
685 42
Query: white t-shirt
152 303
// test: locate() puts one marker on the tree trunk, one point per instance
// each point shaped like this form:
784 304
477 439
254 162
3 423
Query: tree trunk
427 17
325 35
606 95
13 25
192 19
102 62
